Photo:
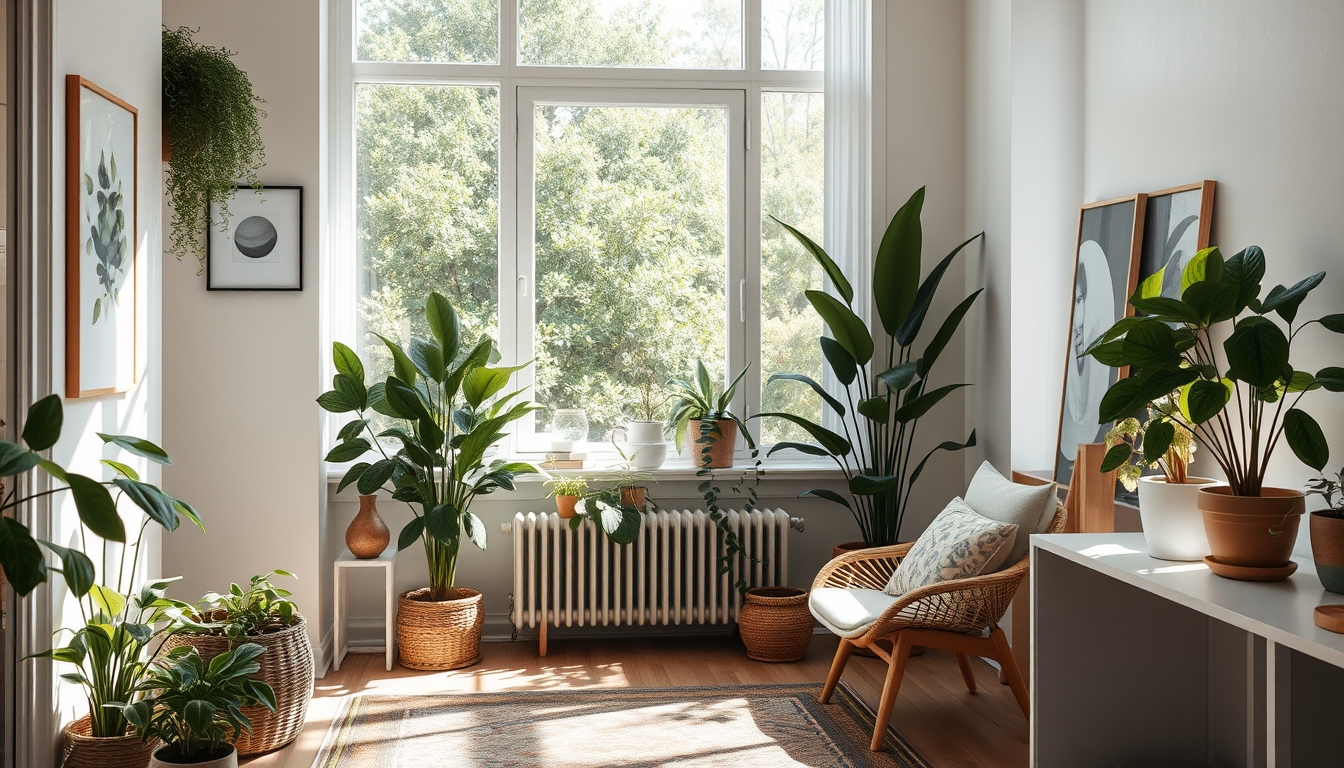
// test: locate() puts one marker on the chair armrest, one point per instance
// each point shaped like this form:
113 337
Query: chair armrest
957 605
863 568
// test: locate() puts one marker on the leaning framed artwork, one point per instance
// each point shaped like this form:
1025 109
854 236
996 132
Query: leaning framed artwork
259 247
1176 227
101 240
1106 270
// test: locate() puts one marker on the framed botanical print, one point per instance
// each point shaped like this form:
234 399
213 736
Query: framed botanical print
1105 273
102 310
1176 227
260 245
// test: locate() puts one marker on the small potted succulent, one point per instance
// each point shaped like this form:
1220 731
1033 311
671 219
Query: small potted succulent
1173 525
567 492
263 614
704 421
1327 530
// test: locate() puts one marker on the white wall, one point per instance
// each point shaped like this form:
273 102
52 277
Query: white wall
83 29
242 369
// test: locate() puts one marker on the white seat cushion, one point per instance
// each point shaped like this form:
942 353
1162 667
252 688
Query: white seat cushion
848 612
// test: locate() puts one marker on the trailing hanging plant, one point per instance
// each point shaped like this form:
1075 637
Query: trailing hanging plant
211 125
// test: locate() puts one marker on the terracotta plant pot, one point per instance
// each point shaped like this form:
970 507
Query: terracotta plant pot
443 634
1327 549
1173 526
633 497
775 624
84 751
847 547
720 451
228 761
1251 531
367 535
564 506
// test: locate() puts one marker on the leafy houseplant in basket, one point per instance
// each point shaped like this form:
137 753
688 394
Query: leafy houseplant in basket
1168 503
705 419
260 613
1238 404
196 706
1327 531
886 390
443 397
212 137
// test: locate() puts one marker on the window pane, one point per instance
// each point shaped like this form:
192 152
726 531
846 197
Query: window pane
792 33
791 190
631 237
705 34
427 176
454 31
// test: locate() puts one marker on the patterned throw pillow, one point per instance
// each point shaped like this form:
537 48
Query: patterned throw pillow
958 544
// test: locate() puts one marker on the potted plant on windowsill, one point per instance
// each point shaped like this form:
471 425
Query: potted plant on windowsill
642 437
702 420
261 613
567 492
1238 404
1173 526
1327 531
444 398
192 705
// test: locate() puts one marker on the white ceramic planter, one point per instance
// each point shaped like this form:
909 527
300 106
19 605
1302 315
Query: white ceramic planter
229 761
642 442
640 432
1173 525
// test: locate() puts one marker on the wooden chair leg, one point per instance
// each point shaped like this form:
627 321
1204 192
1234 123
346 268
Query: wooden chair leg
1004 655
899 653
964 663
837 668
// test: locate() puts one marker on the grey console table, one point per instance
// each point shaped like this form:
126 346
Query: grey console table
1135 658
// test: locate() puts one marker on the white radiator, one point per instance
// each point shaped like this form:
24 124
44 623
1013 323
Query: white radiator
668 576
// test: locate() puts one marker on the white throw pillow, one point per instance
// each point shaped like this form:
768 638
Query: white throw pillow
1029 507
958 544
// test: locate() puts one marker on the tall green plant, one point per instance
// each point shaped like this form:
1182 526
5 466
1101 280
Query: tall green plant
212 124
445 400
1238 404
887 391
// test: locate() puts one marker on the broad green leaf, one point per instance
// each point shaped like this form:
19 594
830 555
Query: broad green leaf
351 391
154 502
845 326
1243 273
22 559
1123 399
1301 381
828 495
482 383
335 402
442 524
807 448
349 450
411 532
1332 378
404 400
837 445
1116 457
375 476
56 471
1167 308
1151 287
15 459
828 266
186 510
900 376
1120 328
1257 352
1306 438
909 329
107 600
401 364
1205 265
76 567
475 529
1204 399
428 359
1157 439
198 714
1111 354
1285 301
826 397
914 409
1333 323
621 524
1214 302
944 334
444 324
1150 342
868 485
42 428
96 508
347 362
947 445
352 475
120 469
841 362
876 409
352 429
897 264
138 446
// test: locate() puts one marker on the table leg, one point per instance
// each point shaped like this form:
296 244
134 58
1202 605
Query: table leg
389 629
337 617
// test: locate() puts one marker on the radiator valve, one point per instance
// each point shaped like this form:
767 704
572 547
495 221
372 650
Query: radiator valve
796 523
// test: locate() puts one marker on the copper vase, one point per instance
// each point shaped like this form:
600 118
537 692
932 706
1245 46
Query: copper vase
367 535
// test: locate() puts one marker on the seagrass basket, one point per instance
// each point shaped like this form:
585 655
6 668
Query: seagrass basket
286 666
440 635
82 750
775 624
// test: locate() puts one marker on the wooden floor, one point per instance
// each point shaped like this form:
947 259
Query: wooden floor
948 726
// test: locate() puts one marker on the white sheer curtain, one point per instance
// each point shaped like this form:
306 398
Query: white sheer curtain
847 222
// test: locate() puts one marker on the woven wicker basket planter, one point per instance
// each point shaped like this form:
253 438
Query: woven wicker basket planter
775 624
440 635
84 751
286 666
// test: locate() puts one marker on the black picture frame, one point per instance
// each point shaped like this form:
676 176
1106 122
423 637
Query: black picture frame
214 281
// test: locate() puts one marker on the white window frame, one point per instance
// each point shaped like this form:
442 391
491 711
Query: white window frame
739 89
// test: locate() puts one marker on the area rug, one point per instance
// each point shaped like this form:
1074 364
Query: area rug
750 726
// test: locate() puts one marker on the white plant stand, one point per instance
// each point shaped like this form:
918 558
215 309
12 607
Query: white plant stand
346 561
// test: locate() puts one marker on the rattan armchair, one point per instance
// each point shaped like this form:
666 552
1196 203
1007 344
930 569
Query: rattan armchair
951 615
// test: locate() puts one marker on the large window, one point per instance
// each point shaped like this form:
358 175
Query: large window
590 182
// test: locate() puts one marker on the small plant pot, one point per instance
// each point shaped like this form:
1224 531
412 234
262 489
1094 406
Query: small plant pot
1327 549
775 624
1251 532
437 635
228 761
633 497
565 506
847 547
82 750
720 447
1173 525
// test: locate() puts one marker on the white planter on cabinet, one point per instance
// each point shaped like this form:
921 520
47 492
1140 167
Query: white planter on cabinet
228 761
1173 526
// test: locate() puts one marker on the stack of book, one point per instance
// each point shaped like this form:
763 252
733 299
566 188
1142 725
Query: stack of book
564 460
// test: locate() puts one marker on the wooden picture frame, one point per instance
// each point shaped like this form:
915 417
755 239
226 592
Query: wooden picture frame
102 265
274 261
1177 224
1106 271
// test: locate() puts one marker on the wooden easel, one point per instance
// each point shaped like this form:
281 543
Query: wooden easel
1090 501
